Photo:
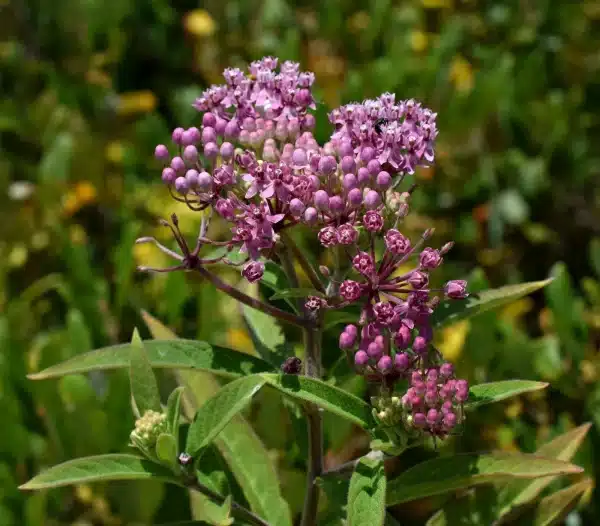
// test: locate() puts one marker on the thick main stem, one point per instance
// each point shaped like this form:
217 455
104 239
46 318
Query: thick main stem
312 368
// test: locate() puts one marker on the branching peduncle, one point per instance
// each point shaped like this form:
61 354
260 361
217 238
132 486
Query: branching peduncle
253 302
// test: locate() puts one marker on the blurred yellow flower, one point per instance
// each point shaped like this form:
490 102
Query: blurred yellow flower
114 152
82 194
516 309
451 340
136 102
461 74
84 493
199 23
18 256
418 41
239 340
514 409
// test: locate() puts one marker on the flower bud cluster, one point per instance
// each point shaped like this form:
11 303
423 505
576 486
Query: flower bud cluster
255 162
147 430
434 401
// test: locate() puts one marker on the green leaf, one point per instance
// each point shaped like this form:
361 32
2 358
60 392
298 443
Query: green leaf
520 492
505 501
163 354
99 468
211 471
174 411
296 293
267 335
246 455
275 279
450 312
144 388
218 410
553 509
445 474
334 318
568 313
495 391
166 449
254 471
366 496
327 396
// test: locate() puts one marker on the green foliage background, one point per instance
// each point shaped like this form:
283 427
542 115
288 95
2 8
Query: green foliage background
89 87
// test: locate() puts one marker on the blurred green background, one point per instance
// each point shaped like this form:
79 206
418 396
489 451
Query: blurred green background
88 87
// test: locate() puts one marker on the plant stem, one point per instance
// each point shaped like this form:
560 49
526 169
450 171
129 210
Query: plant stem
237 509
312 368
253 302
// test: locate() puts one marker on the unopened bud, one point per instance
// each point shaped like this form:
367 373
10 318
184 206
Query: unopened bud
446 248
428 233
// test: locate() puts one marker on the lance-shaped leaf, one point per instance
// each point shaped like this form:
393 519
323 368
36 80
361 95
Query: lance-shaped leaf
496 391
163 354
218 410
174 411
329 397
520 492
244 452
502 503
144 388
267 335
455 310
366 496
166 449
275 279
97 469
553 509
444 474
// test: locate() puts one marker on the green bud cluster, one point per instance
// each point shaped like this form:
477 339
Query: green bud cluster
147 429
387 410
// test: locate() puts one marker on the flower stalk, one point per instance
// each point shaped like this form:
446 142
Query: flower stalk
312 368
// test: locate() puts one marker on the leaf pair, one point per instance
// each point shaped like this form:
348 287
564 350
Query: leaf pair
512 500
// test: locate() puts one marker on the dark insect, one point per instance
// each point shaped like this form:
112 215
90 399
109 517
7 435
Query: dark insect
379 123
292 365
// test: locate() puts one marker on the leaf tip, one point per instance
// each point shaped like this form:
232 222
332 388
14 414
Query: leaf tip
136 338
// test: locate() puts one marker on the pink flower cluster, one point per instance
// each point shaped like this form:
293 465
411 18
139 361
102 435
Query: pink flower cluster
255 161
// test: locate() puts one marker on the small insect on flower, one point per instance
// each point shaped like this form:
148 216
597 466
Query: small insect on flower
379 123
185 459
